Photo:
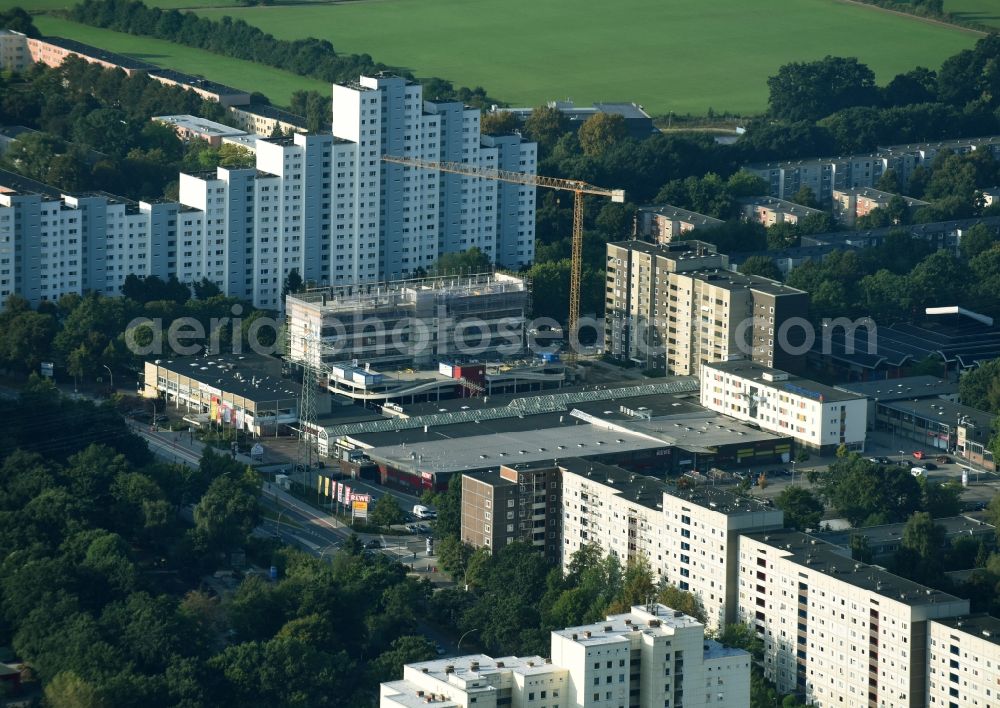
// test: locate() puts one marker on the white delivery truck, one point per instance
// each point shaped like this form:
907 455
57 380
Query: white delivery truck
422 512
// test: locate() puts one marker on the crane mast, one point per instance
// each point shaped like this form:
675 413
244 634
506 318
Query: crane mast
577 187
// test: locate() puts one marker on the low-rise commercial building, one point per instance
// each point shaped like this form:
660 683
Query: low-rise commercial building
689 536
963 657
650 657
836 631
907 388
939 425
190 127
818 417
232 391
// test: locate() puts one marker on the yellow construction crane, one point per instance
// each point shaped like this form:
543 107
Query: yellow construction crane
578 188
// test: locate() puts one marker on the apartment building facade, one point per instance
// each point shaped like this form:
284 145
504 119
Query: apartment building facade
689 537
963 661
838 632
820 418
664 224
851 204
514 503
769 211
825 174
650 657
324 205
678 306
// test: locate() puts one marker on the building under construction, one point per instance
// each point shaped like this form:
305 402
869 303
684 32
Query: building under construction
409 322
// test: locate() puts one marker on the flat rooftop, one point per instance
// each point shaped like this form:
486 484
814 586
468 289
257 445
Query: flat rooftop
268 111
673 212
17 183
685 248
887 533
461 666
653 620
675 421
792 384
503 448
255 378
815 555
648 491
87 50
337 297
197 82
199 125
980 625
559 401
908 387
941 410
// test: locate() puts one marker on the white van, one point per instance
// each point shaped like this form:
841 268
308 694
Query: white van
422 512
918 471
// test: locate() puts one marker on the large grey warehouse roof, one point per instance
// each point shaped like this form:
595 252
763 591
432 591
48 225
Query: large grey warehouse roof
462 454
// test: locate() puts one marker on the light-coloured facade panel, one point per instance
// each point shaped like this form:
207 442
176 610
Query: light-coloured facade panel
819 417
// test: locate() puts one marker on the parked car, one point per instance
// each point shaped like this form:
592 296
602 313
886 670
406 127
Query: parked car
918 454
883 460
929 465
943 459
918 471
374 543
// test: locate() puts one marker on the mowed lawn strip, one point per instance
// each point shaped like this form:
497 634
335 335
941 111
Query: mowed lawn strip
669 55
277 85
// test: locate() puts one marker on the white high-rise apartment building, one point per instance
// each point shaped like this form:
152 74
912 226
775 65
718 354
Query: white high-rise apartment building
326 206
963 657
839 632
415 215
651 657
689 537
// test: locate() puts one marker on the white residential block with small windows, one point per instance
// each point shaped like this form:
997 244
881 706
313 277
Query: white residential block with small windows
325 205
689 536
651 657
963 657
839 632
819 417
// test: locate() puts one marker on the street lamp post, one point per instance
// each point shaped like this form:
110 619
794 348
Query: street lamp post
459 646
793 471
277 523
111 375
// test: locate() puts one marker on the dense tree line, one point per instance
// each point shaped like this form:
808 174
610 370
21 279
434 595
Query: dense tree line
82 333
833 105
235 38
96 132
101 588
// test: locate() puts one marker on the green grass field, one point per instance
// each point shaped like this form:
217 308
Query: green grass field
669 55
986 12
276 85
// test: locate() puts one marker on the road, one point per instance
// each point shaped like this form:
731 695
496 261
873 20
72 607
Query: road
308 528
